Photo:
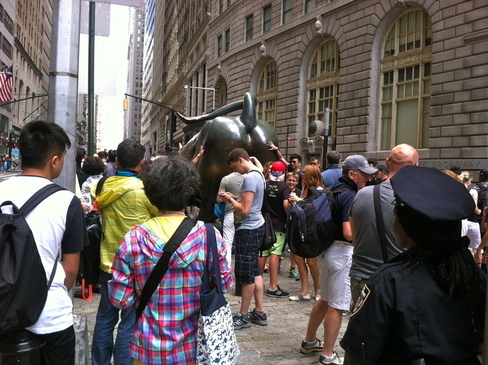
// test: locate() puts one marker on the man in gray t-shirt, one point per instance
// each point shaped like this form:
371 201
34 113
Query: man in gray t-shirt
367 255
232 184
248 238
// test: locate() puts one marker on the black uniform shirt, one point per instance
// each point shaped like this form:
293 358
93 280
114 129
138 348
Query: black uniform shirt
405 316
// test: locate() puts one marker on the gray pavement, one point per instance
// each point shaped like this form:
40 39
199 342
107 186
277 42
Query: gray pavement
276 343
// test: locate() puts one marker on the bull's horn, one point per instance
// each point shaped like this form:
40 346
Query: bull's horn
216 113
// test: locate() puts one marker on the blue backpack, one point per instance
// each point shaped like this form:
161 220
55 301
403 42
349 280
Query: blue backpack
310 229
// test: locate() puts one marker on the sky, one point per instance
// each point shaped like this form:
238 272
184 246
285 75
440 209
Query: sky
110 70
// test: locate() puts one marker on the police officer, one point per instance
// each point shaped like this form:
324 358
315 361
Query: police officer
428 302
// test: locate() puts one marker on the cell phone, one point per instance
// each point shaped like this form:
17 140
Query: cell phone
220 195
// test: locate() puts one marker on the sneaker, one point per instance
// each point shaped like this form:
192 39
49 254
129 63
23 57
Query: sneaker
308 348
335 361
294 274
259 318
346 313
241 321
277 293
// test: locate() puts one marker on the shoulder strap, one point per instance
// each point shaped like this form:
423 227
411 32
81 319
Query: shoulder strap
380 226
33 202
100 185
38 197
211 247
162 266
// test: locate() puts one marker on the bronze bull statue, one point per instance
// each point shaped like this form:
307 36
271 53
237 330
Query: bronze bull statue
219 136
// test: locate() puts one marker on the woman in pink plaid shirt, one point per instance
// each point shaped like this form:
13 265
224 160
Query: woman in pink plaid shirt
166 331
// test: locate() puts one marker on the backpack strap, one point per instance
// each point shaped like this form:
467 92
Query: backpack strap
380 225
33 202
162 266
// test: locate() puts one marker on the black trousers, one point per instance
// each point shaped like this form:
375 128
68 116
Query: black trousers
59 348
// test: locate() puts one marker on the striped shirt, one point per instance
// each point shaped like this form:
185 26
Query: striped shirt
166 332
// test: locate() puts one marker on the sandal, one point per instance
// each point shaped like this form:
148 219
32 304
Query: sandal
299 297
317 295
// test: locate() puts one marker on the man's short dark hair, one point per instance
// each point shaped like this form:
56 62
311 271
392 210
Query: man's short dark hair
296 156
313 159
112 154
39 141
129 153
333 157
102 155
93 166
170 182
237 153
372 161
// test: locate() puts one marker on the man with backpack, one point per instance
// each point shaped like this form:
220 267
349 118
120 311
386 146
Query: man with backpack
58 228
335 263
123 204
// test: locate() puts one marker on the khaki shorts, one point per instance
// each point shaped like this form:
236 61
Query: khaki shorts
277 248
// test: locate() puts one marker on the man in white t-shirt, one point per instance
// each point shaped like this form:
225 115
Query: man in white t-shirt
58 226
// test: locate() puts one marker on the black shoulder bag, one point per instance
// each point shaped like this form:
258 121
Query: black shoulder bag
162 266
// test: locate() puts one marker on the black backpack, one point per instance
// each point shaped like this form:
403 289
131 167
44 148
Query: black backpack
23 284
90 256
310 229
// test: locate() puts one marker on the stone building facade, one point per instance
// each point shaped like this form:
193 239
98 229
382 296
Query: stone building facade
389 72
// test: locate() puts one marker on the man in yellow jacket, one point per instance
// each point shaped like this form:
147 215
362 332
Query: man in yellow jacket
123 204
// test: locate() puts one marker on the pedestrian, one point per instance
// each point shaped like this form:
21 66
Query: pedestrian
311 178
93 168
248 238
292 181
367 255
335 263
232 184
427 304
276 195
122 204
332 171
166 332
58 228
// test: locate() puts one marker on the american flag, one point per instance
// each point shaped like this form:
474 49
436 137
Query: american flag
6 82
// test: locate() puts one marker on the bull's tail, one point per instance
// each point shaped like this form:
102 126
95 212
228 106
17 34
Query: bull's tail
216 113
248 116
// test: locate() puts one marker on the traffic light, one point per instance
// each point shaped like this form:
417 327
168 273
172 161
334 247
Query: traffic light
126 104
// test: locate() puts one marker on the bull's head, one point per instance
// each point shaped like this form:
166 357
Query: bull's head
219 136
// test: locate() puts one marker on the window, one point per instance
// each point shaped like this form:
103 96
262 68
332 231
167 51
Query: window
219 46
309 6
227 40
267 19
249 27
406 82
323 84
287 11
267 93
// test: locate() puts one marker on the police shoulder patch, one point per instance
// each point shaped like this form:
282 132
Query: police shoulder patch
362 299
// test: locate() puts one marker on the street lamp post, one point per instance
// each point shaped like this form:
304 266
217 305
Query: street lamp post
203 88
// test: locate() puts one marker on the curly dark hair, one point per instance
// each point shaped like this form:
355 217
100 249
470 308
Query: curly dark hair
93 166
170 182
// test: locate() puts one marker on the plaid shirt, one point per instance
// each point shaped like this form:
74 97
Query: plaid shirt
166 332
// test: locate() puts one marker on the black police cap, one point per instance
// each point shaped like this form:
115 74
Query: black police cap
432 193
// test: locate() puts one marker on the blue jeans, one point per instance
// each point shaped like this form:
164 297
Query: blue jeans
103 336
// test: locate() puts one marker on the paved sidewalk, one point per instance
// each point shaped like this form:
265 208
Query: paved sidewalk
276 343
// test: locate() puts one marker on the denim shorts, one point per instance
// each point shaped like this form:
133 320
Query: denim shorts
248 242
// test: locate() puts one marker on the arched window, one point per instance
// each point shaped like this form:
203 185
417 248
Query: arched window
405 81
322 84
267 90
